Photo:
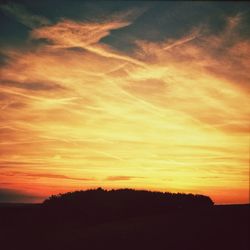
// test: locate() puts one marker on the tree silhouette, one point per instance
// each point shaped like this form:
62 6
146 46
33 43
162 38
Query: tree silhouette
124 202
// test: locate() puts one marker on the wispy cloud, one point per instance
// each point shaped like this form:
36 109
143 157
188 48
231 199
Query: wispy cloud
174 109
36 86
45 175
85 35
121 178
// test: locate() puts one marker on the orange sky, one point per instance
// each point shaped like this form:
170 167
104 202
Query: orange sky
171 115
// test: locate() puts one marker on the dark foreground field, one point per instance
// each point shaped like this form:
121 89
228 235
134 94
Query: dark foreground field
30 227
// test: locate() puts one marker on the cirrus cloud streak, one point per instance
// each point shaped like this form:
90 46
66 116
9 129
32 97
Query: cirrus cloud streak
165 112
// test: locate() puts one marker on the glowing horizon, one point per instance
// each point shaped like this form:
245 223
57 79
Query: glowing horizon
168 115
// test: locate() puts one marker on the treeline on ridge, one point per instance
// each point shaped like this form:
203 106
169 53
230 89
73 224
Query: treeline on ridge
100 202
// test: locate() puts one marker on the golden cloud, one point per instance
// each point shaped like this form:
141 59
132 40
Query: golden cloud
174 110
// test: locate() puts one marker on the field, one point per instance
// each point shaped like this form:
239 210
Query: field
27 226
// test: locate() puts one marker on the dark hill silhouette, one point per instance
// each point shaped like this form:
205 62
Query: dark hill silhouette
124 202
124 219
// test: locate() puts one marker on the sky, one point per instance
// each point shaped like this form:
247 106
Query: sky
124 94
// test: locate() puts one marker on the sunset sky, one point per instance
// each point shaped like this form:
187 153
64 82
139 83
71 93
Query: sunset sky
144 95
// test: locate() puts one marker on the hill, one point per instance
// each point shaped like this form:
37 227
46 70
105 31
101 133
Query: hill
60 223
124 202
